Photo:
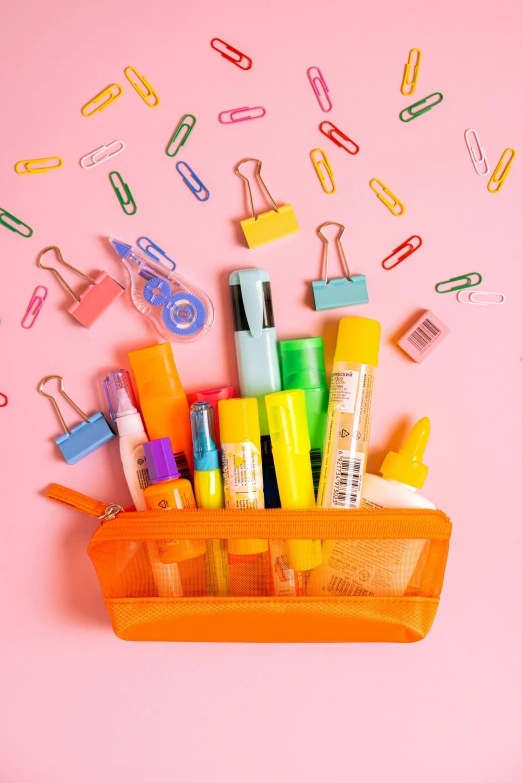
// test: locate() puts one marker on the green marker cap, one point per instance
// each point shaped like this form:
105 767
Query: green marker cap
303 363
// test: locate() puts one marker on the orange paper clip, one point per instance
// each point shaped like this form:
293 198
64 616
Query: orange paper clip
408 249
141 82
107 96
383 191
332 132
323 164
502 169
30 166
35 305
225 50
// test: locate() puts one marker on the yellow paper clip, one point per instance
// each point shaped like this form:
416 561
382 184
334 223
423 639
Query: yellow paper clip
406 82
325 164
268 226
390 204
495 180
110 93
138 86
27 166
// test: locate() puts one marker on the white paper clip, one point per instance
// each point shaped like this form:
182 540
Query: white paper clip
476 161
94 156
472 294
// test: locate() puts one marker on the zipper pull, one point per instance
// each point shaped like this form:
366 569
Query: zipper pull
110 513
72 499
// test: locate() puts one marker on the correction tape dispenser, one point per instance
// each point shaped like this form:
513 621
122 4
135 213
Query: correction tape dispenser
179 311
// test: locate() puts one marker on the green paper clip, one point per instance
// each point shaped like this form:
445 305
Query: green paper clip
5 214
120 186
182 124
414 114
339 291
468 284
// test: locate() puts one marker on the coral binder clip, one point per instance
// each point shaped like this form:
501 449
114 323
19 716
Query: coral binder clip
86 437
102 154
15 224
320 88
93 300
34 307
470 279
234 115
106 97
476 161
201 192
184 128
391 202
480 297
411 115
123 193
231 54
405 250
31 166
339 291
327 182
415 54
501 169
267 226
333 131
149 95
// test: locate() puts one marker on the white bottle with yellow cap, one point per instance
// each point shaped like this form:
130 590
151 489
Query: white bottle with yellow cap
380 567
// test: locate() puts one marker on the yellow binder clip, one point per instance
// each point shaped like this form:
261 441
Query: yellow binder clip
392 202
268 226
327 181
102 100
32 167
408 85
149 95
502 169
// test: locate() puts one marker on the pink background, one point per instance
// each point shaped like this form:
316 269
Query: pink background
78 704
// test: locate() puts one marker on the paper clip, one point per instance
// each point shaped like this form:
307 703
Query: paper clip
325 164
494 178
231 113
201 192
267 226
333 130
120 186
407 247
111 92
138 85
93 156
472 294
320 89
406 81
476 161
17 222
339 291
468 282
4 399
414 114
94 299
146 244
35 305
86 437
181 126
236 60
26 166
391 205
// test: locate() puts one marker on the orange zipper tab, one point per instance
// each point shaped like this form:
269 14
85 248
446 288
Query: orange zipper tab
72 499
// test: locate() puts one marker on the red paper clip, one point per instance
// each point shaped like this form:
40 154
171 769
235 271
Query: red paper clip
330 133
35 305
4 398
254 113
320 88
236 60
407 245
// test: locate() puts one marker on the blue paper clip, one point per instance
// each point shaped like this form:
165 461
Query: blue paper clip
86 437
339 291
193 178
146 244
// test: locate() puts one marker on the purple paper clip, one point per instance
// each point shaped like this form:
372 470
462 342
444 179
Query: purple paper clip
231 113
35 305
321 92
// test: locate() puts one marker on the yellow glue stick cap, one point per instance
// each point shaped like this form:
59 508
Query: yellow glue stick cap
358 341
407 466
239 421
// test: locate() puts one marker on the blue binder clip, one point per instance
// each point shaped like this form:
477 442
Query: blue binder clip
86 437
339 291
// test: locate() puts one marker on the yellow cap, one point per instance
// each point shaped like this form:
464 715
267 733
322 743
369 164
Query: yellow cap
407 465
239 421
358 341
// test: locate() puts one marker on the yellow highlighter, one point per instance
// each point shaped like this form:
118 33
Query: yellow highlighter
288 424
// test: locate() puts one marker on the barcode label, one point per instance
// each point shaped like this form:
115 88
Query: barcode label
339 586
347 484
424 335
182 463
316 459
143 477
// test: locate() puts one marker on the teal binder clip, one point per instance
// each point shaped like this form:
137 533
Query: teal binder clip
86 437
339 291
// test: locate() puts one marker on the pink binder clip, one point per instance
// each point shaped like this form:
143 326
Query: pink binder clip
234 114
94 299
34 307
320 88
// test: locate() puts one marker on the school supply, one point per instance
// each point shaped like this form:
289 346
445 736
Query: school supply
95 299
420 339
267 226
123 193
339 291
320 163
409 85
142 87
102 100
213 396
468 280
200 191
178 309
4 399
147 245
32 167
392 202
102 154
35 305
320 88
479 297
183 130
332 132
410 115
406 249
471 144
232 55
15 224
82 440
231 116
502 169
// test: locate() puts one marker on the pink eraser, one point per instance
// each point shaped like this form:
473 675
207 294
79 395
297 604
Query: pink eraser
95 299
423 336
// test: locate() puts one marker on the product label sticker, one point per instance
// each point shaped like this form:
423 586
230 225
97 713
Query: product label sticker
347 485
343 390
242 475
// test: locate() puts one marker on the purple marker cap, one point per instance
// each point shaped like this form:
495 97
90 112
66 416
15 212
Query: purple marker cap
160 460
